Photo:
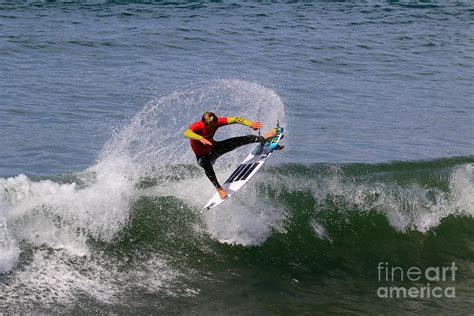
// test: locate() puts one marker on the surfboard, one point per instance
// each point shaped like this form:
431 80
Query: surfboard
246 169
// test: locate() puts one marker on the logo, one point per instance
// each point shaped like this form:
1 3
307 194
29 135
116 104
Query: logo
391 274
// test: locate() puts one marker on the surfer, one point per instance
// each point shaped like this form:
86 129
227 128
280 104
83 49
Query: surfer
207 150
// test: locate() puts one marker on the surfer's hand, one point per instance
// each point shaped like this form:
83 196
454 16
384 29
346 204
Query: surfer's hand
206 141
256 125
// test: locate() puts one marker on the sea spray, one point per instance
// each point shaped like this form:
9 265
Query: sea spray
8 249
154 140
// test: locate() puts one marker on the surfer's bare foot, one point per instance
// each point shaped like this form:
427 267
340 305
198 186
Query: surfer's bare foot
270 134
222 193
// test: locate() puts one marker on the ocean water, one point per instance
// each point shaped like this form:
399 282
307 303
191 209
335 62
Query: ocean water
100 193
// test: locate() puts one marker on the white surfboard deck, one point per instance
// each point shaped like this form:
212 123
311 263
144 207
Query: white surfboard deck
246 170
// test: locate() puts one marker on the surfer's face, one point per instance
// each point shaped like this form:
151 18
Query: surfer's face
209 120
211 124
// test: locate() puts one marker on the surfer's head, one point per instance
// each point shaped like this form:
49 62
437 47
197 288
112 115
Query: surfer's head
209 119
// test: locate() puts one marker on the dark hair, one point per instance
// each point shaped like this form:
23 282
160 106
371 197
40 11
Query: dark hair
209 118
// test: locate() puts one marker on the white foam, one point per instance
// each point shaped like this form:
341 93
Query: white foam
412 209
8 249
49 279
421 209
99 209
319 230
64 215
406 207
462 190
55 278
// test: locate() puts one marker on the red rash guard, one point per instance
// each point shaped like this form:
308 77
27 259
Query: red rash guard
206 131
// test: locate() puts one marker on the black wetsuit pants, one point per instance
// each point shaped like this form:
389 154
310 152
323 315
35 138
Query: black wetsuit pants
221 148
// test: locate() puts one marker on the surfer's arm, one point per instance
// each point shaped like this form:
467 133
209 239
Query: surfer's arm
239 120
242 121
191 135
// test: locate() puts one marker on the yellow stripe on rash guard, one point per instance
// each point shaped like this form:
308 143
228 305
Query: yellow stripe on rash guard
191 135
240 120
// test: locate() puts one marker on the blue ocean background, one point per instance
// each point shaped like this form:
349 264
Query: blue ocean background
100 193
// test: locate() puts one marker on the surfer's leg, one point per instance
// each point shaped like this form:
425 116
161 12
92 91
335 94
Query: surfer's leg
230 144
206 163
